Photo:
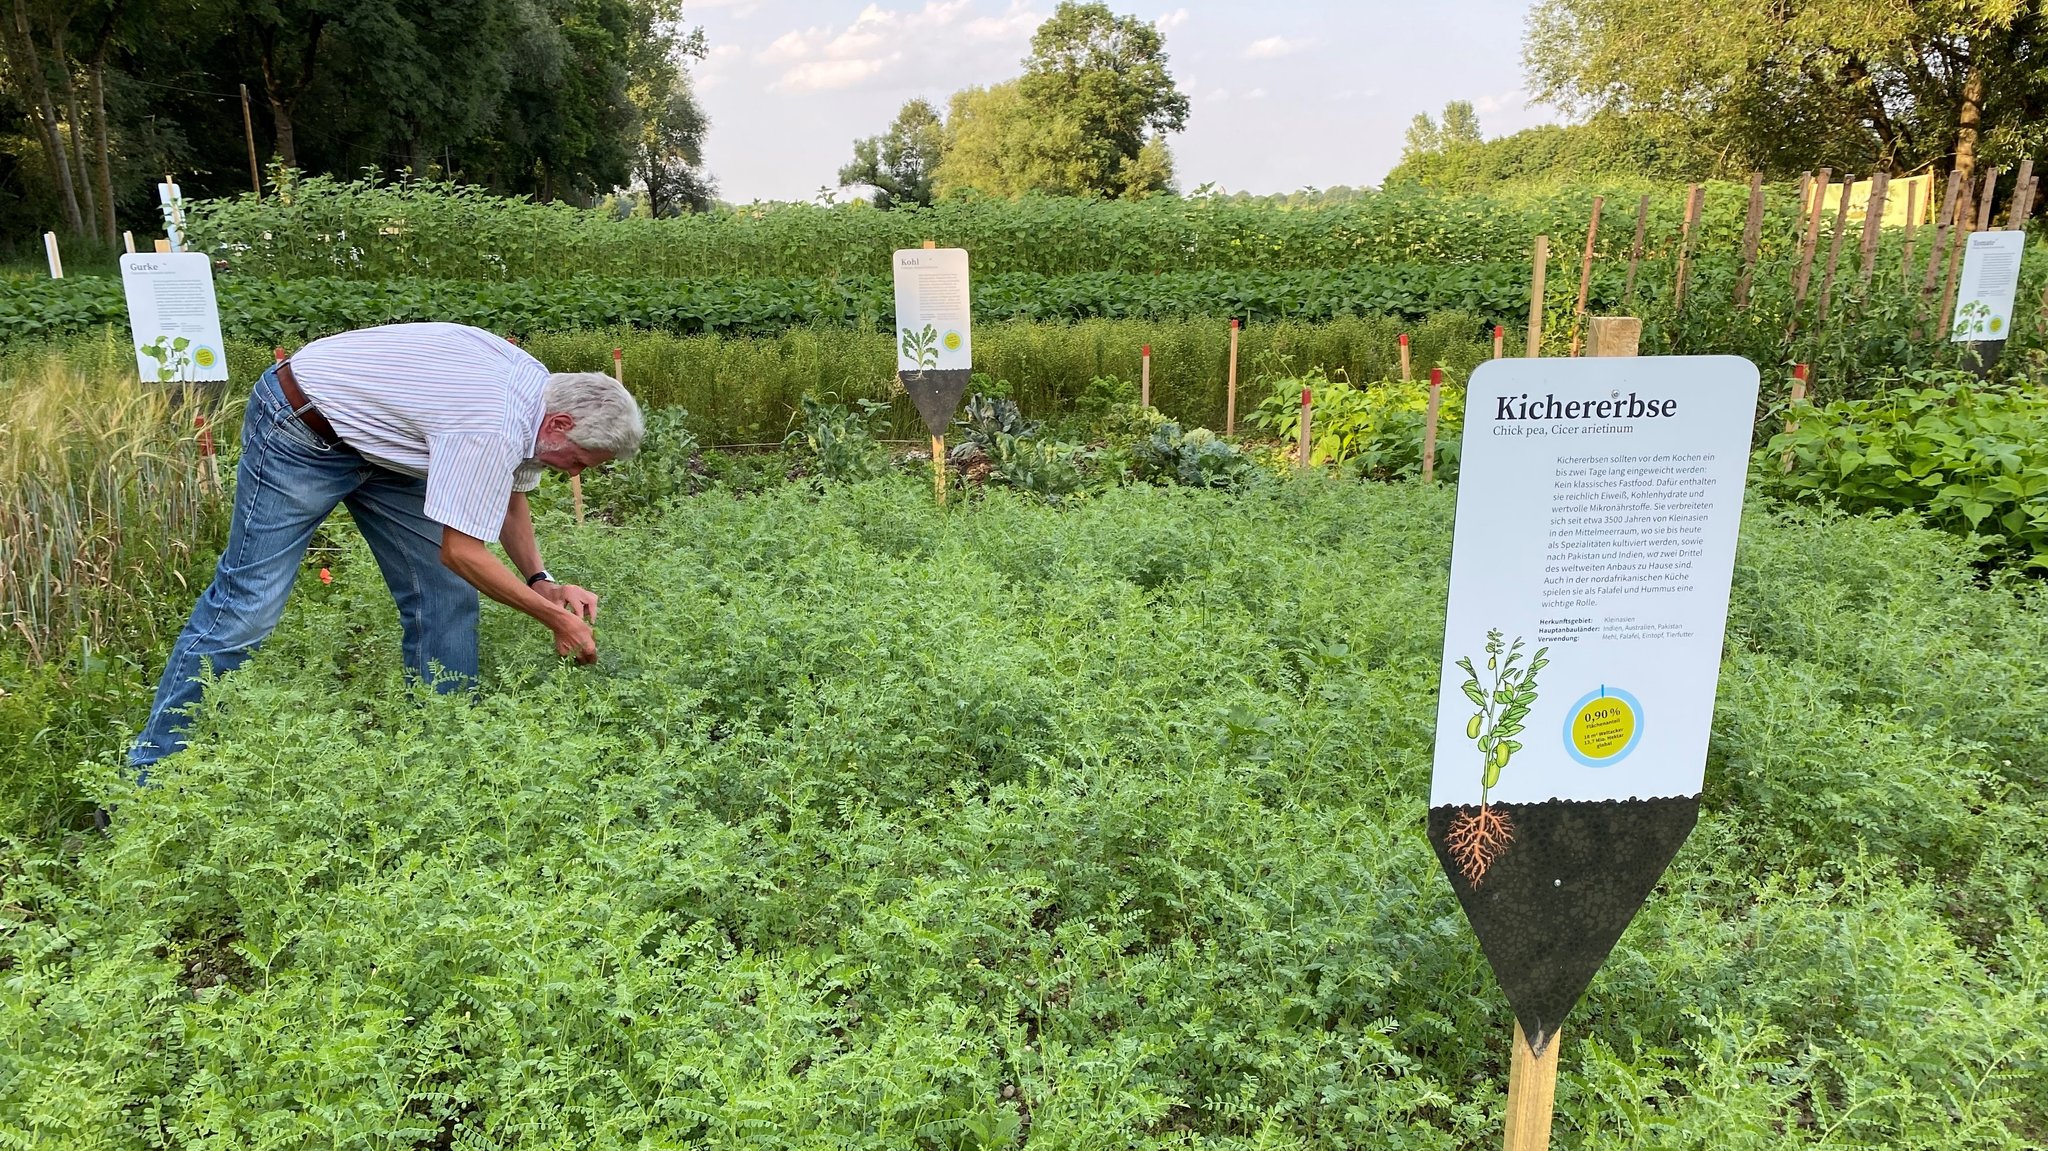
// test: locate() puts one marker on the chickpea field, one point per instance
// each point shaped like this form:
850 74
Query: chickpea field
1098 825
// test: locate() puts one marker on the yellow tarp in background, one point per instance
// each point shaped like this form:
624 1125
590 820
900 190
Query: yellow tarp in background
1894 200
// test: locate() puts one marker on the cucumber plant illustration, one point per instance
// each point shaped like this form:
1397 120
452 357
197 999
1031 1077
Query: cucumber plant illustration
1477 838
172 357
923 347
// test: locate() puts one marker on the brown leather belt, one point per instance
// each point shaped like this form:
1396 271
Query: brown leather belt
301 406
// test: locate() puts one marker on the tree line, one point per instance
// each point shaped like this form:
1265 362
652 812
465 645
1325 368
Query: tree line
1699 89
559 99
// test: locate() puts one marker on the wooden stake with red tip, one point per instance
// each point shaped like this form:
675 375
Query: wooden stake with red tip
1500 338
1145 376
1405 376
1799 374
1230 396
1307 414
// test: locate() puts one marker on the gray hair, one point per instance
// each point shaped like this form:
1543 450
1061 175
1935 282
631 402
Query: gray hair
607 417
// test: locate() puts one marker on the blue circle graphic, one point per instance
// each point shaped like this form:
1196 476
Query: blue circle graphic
1606 691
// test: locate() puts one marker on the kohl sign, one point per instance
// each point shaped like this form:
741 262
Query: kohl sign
1598 503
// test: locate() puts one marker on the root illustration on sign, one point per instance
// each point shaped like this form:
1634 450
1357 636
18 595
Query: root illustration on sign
1478 837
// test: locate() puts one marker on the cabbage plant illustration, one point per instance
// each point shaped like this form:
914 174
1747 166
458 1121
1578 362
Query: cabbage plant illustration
923 347
1477 838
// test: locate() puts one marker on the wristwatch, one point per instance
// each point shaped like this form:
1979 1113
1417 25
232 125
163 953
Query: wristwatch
542 574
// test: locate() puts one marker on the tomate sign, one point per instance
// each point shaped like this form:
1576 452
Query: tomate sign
1598 503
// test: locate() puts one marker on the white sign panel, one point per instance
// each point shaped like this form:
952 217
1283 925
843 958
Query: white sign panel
932 310
1991 277
1598 503
173 316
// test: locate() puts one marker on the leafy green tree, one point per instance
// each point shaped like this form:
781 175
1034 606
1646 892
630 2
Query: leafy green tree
1786 85
1087 118
1455 157
902 160
669 159
1106 74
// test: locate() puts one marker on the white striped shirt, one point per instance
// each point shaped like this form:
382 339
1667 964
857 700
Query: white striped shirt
456 405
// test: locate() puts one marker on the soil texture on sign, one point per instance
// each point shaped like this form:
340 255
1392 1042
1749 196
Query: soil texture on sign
936 392
1551 905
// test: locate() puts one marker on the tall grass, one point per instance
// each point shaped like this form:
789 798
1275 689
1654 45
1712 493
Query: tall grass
104 499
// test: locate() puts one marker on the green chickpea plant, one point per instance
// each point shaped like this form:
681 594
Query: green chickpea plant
1477 838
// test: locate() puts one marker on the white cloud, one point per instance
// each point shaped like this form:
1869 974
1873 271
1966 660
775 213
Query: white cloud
1220 95
828 58
1172 20
1255 94
1487 105
1018 23
1273 47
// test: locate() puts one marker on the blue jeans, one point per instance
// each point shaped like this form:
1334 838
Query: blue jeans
288 481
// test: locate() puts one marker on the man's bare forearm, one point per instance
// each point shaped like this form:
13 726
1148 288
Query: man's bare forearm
468 557
517 537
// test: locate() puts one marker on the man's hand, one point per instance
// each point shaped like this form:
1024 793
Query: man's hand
574 639
569 598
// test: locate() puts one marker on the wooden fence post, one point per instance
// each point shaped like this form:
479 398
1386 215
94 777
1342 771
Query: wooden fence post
1585 275
1958 242
1307 415
1809 248
1635 251
1752 237
2018 218
1986 196
1429 418
1230 397
1943 225
1827 280
1873 224
1906 247
1537 272
1695 200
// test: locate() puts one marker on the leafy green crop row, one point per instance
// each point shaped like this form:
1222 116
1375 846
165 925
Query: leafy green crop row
297 310
1971 458
322 227
880 827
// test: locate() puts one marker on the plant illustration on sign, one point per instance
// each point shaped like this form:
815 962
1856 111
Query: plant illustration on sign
172 357
1974 318
1477 838
923 347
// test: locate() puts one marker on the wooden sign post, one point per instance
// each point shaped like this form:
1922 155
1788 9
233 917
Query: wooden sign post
934 346
1580 673
1230 393
1538 267
1429 418
1145 377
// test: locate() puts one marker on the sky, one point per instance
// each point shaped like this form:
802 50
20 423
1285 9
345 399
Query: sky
1283 95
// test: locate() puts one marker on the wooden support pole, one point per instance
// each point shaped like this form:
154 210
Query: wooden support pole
1827 280
1539 266
2028 195
1532 1091
1429 418
1230 395
1695 199
1752 237
1635 251
128 241
939 469
249 134
1500 339
1984 201
1805 189
1585 276
1405 374
1958 243
1303 450
1873 224
2018 217
1145 376
1906 245
1614 336
1810 247
1943 225
56 258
